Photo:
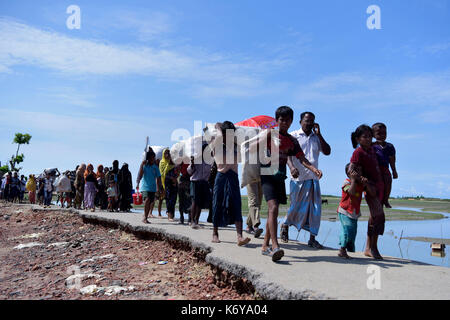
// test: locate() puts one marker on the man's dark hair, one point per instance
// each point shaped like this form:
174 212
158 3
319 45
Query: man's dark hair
284 111
305 113
378 125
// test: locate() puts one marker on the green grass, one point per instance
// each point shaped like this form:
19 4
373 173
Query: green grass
329 210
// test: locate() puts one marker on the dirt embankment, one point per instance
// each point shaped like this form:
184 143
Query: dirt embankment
53 254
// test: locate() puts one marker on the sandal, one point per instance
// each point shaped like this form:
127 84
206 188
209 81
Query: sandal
315 244
243 242
258 232
266 252
284 233
277 254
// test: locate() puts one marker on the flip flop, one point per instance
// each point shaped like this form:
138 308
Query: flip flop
258 232
243 242
277 254
266 252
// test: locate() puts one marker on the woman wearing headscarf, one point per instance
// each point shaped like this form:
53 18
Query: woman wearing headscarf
79 186
165 165
101 199
125 188
90 188
31 188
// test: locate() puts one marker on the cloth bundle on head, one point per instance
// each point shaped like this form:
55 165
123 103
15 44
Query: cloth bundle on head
182 151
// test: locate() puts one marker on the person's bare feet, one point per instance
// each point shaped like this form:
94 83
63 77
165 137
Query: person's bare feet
215 239
145 221
368 253
376 254
151 216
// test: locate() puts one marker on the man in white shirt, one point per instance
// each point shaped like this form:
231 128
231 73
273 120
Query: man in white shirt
306 201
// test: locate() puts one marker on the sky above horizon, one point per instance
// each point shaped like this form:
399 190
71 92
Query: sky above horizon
146 68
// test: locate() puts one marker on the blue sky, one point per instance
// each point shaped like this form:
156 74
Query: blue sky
146 68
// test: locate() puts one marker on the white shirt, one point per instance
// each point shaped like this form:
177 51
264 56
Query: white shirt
311 148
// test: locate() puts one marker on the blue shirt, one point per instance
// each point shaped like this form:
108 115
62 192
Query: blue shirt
151 172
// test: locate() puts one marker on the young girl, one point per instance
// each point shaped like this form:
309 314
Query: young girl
349 208
112 196
364 157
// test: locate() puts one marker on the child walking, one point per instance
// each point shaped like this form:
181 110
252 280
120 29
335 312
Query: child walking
365 158
112 196
386 157
273 186
349 208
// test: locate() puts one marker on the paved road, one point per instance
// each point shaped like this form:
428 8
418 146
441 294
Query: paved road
303 273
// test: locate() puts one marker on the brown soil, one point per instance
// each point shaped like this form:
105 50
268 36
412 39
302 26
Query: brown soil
40 272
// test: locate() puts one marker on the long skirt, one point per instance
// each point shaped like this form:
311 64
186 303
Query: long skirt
184 196
348 232
226 199
171 199
306 206
32 197
89 195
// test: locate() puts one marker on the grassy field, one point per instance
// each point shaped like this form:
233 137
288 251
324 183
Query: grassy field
329 210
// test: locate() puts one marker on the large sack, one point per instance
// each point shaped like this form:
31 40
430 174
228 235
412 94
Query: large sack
158 150
182 151
245 137
62 184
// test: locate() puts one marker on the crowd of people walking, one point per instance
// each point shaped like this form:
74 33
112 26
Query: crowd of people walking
200 185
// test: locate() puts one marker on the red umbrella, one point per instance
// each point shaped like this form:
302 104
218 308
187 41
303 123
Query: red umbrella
263 122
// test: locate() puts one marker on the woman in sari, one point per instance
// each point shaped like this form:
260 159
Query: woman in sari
90 188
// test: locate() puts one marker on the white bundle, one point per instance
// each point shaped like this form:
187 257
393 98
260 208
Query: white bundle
181 152
245 138
158 150
62 184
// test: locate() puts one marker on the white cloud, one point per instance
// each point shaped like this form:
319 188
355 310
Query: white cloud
21 44
368 90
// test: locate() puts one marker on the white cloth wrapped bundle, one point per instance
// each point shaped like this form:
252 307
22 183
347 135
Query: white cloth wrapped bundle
62 184
181 152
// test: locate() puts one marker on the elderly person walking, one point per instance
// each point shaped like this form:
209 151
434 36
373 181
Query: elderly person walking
306 201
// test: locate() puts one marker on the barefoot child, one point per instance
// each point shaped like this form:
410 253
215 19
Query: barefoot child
112 196
364 157
386 156
227 194
349 208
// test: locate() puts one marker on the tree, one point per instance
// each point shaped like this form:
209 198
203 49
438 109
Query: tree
18 158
